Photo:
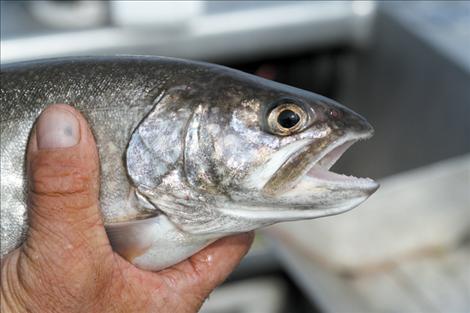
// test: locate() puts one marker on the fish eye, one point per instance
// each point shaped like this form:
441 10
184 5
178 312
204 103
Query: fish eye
287 118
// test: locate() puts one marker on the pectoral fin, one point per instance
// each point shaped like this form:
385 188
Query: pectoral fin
132 239
154 243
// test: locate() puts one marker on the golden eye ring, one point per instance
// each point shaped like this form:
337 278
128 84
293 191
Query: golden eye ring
286 119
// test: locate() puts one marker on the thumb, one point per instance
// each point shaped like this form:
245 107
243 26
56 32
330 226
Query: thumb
63 174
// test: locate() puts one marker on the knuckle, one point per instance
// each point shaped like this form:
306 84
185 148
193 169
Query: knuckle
61 178
61 182
54 203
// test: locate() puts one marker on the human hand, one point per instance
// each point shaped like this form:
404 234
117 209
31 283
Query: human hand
66 263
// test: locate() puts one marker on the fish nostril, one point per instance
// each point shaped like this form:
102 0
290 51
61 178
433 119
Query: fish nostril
335 114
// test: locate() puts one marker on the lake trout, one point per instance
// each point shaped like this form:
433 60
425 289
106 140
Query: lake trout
189 151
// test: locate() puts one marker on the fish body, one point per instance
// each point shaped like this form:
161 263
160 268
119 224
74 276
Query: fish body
189 151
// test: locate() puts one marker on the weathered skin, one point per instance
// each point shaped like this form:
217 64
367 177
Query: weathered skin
190 152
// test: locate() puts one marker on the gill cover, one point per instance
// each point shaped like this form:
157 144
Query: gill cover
156 144
167 165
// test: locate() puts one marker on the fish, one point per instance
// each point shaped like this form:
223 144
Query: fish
190 152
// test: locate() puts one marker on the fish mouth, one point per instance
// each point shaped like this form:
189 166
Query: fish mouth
296 183
320 170
313 162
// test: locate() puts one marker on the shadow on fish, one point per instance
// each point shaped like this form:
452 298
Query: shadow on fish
190 152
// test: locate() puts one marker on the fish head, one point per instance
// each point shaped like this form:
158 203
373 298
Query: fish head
245 153
309 133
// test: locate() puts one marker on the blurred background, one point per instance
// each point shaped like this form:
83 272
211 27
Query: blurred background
405 66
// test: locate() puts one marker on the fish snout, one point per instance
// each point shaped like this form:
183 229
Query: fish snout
350 121
362 126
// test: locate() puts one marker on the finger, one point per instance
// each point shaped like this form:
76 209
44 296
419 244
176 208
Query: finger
63 173
204 271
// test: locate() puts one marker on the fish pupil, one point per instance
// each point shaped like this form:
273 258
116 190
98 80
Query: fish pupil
288 119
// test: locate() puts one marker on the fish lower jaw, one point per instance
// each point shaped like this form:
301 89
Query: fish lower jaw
324 176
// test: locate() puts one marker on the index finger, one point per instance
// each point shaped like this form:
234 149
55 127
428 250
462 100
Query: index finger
205 270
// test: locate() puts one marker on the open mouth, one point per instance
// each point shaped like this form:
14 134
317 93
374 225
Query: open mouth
304 166
312 162
321 169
